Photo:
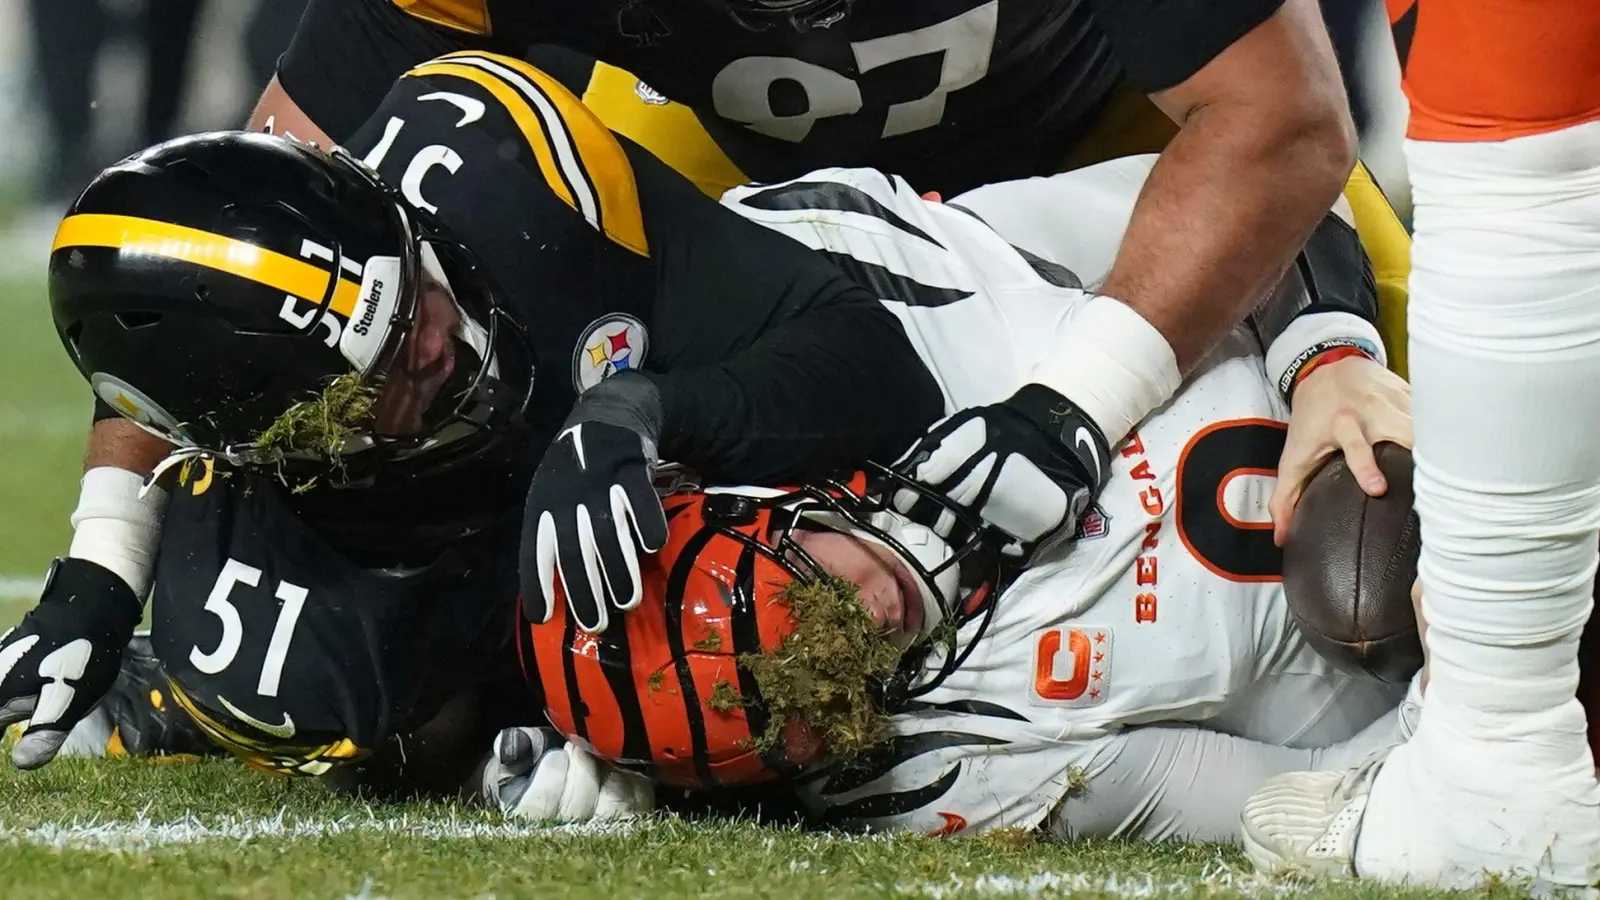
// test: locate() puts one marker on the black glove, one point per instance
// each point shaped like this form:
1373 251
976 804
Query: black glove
593 505
64 656
1028 466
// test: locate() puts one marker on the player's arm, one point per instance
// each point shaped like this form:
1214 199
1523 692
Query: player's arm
1324 307
1265 145
1325 356
64 655
769 362
774 364
347 53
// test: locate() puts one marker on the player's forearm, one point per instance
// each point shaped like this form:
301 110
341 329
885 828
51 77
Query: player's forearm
277 113
1228 205
120 443
113 524
830 390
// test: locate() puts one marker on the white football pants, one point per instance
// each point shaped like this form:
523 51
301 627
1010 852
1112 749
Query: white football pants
1504 327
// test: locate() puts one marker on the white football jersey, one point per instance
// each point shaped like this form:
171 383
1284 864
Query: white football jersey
1168 607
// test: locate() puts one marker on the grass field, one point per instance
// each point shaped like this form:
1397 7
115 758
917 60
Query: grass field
145 829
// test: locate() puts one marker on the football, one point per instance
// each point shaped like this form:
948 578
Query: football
1348 564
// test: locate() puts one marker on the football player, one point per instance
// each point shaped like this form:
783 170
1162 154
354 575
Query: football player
360 364
950 94
446 105
1140 680
1503 148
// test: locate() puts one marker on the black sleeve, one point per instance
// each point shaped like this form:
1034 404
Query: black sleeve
1332 274
1160 43
347 53
772 364
520 172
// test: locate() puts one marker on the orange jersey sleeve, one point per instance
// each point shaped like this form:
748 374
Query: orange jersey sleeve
1488 70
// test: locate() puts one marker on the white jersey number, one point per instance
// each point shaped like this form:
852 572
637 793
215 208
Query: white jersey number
293 598
742 91
1228 547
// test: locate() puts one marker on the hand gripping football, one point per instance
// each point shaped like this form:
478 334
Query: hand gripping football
1348 564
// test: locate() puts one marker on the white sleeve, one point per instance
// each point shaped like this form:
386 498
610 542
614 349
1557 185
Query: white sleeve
1075 219
1164 781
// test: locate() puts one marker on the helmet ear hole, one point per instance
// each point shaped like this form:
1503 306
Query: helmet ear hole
729 509
133 321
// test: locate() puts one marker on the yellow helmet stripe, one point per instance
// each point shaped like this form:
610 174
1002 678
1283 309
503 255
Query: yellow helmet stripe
135 236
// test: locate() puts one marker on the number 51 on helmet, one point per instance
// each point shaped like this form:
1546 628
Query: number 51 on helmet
208 284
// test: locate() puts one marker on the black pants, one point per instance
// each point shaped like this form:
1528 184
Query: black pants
68 36
1344 19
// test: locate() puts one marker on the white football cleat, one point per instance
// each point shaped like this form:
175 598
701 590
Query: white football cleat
1307 822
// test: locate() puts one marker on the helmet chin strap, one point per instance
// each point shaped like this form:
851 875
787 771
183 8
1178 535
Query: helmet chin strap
177 457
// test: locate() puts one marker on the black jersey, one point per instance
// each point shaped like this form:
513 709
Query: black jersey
292 655
771 363
948 93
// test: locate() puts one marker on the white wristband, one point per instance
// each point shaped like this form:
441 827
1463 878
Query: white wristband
115 527
1305 333
1113 364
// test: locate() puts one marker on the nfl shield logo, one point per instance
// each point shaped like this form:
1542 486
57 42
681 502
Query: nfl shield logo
1094 524
649 94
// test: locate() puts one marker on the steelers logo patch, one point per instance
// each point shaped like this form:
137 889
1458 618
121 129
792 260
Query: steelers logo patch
610 344
136 407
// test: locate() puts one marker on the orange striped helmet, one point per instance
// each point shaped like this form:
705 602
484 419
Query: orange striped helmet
661 690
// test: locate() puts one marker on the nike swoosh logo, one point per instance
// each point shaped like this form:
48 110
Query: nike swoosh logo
1086 441
10 656
471 110
281 732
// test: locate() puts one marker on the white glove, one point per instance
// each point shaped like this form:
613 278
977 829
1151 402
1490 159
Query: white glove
536 774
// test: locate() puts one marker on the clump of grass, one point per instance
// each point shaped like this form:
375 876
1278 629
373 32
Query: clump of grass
321 426
711 643
822 672
724 699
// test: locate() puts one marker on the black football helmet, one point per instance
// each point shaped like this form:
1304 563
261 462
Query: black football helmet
206 285
802 15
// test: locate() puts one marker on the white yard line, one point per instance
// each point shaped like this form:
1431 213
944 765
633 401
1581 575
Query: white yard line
51 422
1217 878
20 587
145 834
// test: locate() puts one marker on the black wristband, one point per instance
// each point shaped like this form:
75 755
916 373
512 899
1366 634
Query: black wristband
627 399
83 582
1065 421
